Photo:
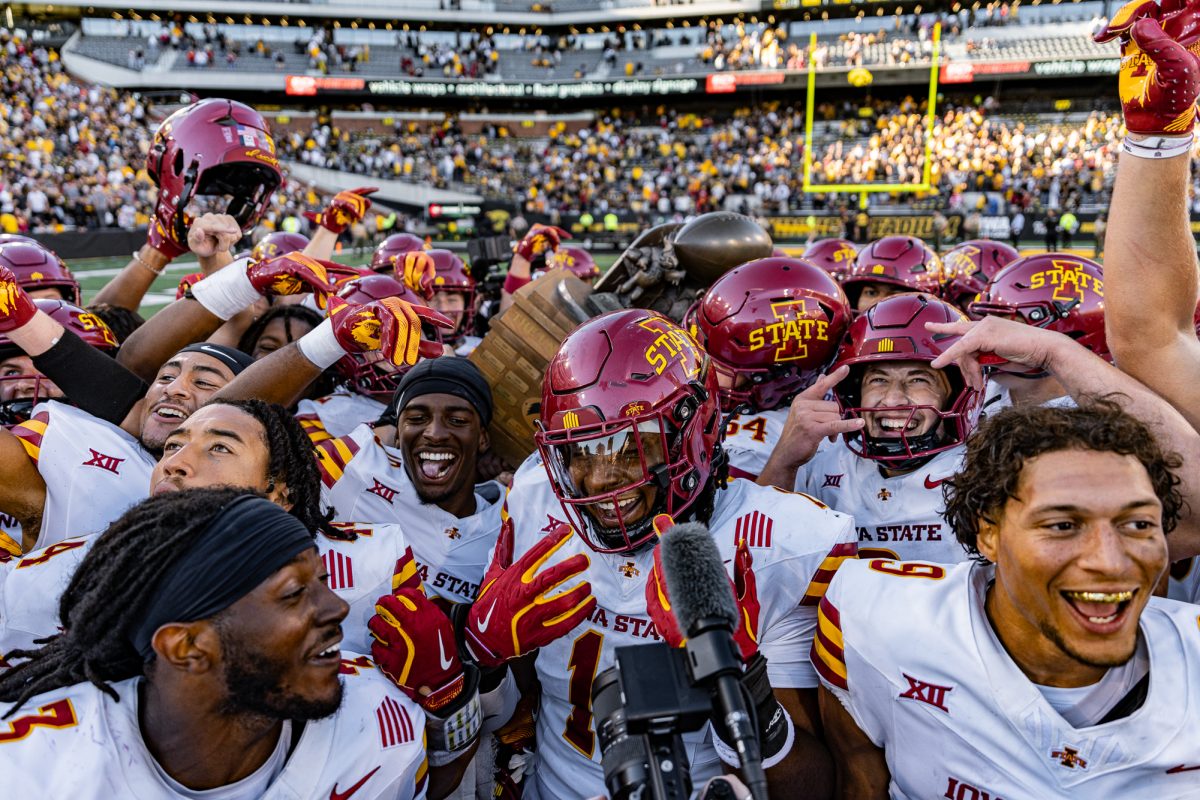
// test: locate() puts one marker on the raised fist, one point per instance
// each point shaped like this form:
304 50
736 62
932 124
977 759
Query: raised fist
521 608
346 208
212 234
540 239
1160 70
389 326
16 308
417 271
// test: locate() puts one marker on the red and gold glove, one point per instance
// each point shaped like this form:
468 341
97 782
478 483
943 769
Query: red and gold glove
417 271
346 208
539 239
389 326
414 646
16 307
1160 65
745 592
187 282
519 609
294 273
161 238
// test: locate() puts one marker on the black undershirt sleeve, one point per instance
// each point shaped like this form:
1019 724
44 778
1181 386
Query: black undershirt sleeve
91 379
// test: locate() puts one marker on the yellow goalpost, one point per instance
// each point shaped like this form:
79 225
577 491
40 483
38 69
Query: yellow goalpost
865 188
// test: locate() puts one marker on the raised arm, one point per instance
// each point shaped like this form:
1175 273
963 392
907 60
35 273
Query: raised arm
539 240
1085 376
1150 254
390 326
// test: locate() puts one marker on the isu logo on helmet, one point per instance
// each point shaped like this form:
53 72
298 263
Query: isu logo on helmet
672 345
1068 279
792 333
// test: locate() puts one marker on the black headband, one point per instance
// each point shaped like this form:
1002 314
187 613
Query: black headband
446 375
231 357
246 543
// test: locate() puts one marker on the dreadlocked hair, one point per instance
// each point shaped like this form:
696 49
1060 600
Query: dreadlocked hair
292 462
109 593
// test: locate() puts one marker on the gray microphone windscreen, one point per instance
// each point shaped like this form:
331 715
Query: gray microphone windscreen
696 579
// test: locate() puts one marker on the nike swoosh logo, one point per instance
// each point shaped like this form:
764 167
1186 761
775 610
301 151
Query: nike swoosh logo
334 794
932 484
1182 768
446 663
483 623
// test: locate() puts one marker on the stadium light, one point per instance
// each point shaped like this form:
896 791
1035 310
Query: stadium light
869 188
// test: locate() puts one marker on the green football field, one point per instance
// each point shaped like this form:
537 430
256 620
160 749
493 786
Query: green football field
94 273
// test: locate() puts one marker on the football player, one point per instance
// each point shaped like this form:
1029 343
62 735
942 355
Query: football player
454 296
903 422
576 260
1057 291
183 641
771 327
835 256
969 267
1150 253
537 243
39 270
1045 669
629 430
393 249
892 265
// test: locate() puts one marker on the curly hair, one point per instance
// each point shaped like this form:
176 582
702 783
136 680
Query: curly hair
122 321
108 593
1002 446
291 460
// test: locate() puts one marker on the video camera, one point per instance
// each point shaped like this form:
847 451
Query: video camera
642 706
489 258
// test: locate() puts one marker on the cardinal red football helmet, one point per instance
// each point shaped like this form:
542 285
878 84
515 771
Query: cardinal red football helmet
969 266
576 259
391 248
371 373
903 261
771 327
894 330
835 256
38 267
1059 291
453 275
23 388
213 147
277 244
629 417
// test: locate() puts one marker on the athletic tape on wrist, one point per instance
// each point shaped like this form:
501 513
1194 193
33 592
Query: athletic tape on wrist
776 731
227 291
320 345
1158 147
452 729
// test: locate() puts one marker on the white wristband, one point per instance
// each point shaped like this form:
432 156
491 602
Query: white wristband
227 291
1159 147
320 345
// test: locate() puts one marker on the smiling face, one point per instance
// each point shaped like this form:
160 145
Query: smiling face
452 304
607 464
182 385
219 445
896 385
1078 551
440 437
279 645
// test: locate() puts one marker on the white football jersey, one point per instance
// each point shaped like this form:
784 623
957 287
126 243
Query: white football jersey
338 413
899 517
796 543
749 440
360 571
373 747
1184 583
363 479
10 537
907 649
94 471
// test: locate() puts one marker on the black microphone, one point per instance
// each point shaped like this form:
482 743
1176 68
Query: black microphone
707 614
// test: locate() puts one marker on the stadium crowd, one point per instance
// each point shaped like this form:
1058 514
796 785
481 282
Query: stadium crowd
321 531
